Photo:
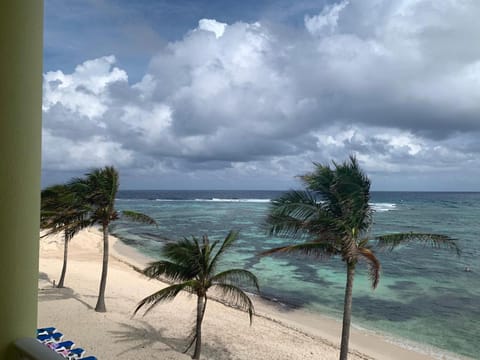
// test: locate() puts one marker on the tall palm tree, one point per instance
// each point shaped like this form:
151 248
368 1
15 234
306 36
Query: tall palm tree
61 211
191 265
334 217
98 190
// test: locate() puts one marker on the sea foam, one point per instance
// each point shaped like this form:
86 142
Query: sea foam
381 207
221 200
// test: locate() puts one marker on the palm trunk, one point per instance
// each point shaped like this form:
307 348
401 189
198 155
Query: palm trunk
201 305
100 307
347 312
65 256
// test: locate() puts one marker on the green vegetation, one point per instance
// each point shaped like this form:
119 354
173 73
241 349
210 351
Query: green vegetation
98 191
334 217
85 202
191 266
61 211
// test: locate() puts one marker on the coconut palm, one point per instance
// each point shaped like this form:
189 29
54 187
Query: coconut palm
334 217
98 190
61 211
191 265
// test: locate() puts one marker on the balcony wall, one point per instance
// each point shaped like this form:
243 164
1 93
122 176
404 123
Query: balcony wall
21 35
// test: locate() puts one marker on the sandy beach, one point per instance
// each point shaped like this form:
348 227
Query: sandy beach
276 333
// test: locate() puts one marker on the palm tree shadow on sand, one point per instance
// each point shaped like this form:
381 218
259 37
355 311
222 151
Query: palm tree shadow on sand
52 293
145 335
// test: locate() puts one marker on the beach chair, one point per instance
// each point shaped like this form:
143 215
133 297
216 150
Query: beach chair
46 338
76 353
64 345
46 330
51 338
63 352
66 350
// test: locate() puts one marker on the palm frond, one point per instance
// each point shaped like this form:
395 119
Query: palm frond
235 277
138 217
322 250
98 189
392 241
227 243
62 211
103 186
237 297
169 270
292 214
373 265
184 252
286 226
363 242
166 294
205 250
298 204
193 254
320 180
345 190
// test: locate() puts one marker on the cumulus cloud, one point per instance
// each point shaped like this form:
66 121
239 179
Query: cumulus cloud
84 90
397 83
326 20
218 28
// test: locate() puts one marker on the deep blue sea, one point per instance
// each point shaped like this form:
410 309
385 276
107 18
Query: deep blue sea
425 295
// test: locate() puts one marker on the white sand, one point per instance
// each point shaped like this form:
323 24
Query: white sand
275 334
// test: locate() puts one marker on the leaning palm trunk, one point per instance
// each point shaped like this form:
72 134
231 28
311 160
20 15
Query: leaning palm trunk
198 328
100 307
347 312
65 256
338 225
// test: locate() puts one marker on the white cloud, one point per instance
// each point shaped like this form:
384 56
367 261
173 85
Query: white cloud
60 153
254 102
212 25
84 90
326 20
151 124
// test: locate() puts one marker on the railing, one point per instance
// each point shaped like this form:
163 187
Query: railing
31 349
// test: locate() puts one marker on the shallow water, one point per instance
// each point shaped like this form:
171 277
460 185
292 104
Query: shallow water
424 295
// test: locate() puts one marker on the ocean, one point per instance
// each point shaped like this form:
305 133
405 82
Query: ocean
424 296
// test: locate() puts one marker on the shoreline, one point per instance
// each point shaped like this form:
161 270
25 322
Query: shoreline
301 320
308 328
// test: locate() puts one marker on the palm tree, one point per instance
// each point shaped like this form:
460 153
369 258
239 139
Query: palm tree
61 211
333 215
98 191
191 265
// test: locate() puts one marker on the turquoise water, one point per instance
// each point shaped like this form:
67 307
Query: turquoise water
424 295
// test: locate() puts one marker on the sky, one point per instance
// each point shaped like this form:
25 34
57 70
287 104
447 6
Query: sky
228 94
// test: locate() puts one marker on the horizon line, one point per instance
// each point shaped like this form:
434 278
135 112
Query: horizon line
284 190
